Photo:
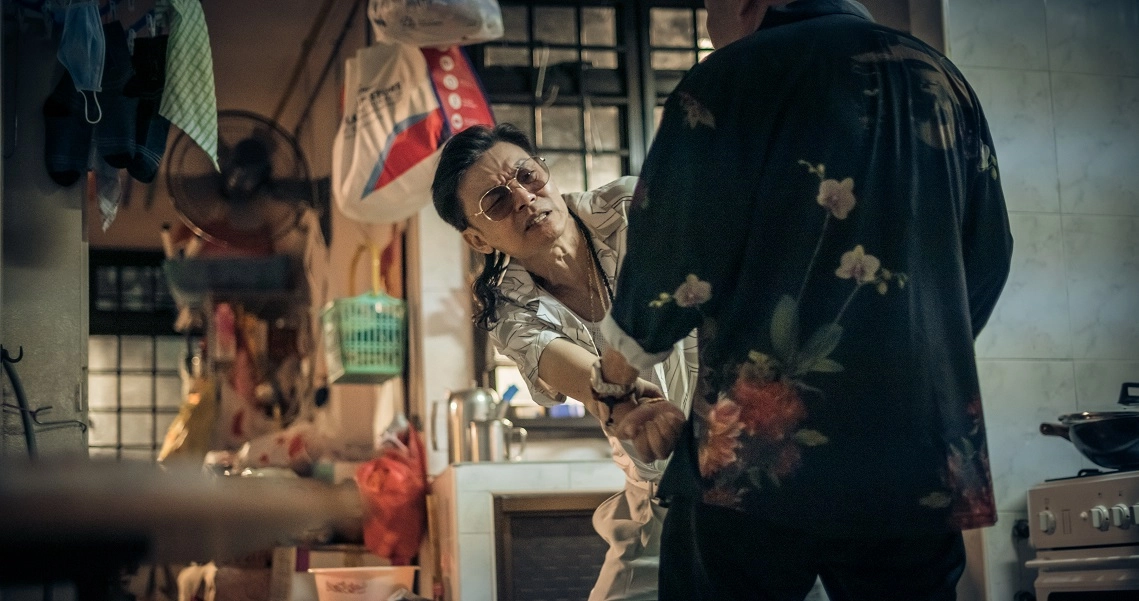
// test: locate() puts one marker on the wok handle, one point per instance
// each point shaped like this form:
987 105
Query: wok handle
1129 394
1060 430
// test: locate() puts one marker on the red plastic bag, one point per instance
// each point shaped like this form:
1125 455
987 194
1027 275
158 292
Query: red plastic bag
393 487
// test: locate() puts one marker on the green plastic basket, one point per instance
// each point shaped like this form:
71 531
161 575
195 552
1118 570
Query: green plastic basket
365 336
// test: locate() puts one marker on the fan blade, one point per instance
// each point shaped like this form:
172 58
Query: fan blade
279 217
225 151
323 206
268 137
293 190
199 197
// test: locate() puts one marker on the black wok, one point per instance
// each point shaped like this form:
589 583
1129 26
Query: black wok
1109 438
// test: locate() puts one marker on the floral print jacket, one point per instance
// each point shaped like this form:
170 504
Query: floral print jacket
823 201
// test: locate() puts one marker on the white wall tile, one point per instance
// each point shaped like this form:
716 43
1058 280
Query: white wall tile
476 512
512 477
1018 396
596 476
1005 557
442 245
443 319
569 449
1097 143
1018 107
477 578
1000 33
1031 317
1103 285
1098 383
1094 36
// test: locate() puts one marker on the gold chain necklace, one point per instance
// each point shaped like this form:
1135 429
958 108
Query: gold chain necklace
595 274
595 289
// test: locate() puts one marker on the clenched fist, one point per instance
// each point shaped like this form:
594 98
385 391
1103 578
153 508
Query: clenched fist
653 426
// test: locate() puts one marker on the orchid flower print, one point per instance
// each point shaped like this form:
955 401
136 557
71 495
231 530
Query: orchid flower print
988 161
693 292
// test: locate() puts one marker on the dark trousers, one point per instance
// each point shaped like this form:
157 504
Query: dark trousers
715 553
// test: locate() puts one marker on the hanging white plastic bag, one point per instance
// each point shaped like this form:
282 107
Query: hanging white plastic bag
401 103
435 23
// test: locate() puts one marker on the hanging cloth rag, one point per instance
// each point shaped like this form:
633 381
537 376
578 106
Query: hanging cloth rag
188 100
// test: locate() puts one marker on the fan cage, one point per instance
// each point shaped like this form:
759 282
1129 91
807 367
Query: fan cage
195 208
365 338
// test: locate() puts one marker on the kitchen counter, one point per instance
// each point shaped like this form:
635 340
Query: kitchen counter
465 512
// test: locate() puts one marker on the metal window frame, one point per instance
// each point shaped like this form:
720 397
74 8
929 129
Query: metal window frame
120 323
627 47
640 99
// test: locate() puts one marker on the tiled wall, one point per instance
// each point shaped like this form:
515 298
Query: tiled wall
445 347
1059 82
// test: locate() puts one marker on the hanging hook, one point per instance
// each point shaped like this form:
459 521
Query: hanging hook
7 357
539 91
35 415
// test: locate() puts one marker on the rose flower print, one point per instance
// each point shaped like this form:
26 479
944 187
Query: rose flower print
722 440
769 411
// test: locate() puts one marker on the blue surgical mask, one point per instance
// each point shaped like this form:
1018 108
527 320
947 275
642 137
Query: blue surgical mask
81 50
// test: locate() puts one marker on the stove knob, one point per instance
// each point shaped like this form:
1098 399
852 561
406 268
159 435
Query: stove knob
1100 517
1047 521
1121 516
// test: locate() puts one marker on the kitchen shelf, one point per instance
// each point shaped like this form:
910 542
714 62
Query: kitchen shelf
191 281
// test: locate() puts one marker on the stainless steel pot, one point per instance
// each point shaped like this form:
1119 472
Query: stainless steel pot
463 406
492 440
1109 438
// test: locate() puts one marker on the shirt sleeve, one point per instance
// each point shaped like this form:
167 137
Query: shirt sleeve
522 336
605 210
688 222
986 238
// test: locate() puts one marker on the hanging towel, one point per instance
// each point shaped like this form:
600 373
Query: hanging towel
188 100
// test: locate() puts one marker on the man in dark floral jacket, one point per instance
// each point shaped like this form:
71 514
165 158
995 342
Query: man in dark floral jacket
823 201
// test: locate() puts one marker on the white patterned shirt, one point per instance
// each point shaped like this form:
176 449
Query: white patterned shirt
529 318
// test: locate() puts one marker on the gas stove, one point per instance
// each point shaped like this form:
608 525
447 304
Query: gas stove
1093 508
1086 533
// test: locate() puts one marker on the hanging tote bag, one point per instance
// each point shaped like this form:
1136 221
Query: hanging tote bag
435 23
401 104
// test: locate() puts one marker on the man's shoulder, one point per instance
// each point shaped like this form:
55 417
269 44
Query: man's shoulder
603 199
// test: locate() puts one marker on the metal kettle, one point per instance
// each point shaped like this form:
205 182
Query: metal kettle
463 407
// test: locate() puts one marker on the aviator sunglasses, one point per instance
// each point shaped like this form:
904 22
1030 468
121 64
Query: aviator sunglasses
532 175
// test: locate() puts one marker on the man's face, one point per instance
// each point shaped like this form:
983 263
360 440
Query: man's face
536 218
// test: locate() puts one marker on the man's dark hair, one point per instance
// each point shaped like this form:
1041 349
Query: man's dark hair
459 153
